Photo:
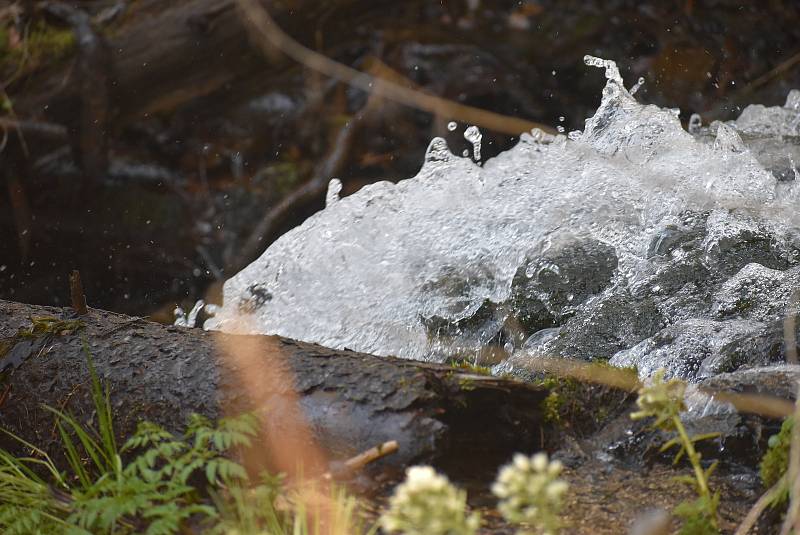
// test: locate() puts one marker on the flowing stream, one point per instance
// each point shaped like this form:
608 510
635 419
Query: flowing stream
633 240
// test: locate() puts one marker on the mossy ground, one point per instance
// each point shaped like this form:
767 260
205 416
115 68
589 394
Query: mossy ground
581 406
38 44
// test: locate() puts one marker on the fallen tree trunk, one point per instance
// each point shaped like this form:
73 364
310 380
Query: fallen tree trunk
351 401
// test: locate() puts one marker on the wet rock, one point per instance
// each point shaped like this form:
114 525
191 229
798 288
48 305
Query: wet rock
779 380
605 325
687 349
561 280
733 241
756 292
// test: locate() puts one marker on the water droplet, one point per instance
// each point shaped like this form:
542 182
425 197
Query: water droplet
570 297
638 85
474 136
334 188
465 153
793 100
695 123
508 347
437 151
560 129
561 119
612 72
452 125
180 317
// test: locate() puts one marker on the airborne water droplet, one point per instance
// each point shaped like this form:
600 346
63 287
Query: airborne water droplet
452 125
638 85
560 129
474 136
612 72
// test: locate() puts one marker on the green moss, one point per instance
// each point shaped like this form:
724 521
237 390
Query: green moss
776 460
43 44
564 394
42 325
469 367
580 402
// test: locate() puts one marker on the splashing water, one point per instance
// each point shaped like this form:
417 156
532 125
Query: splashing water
631 240
182 320
332 195
637 86
474 136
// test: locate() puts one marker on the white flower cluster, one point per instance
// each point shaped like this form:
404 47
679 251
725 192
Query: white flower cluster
530 493
428 504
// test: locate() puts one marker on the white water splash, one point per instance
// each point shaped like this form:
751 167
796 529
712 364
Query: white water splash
399 268
474 136
332 195
182 320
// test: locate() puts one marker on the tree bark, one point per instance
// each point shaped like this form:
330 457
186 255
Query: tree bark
351 401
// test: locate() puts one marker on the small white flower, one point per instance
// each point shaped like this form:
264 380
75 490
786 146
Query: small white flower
427 504
530 492
539 462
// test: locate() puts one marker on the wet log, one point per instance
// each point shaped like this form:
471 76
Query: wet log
352 401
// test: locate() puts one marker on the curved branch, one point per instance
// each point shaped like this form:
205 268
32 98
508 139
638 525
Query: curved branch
269 37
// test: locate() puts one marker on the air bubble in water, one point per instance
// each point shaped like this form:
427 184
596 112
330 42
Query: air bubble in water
474 136
452 125
334 188
695 122
638 85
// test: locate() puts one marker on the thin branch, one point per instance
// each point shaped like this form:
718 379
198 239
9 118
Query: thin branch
269 37
758 508
361 460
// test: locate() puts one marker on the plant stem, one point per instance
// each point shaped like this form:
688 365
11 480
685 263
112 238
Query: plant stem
699 473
